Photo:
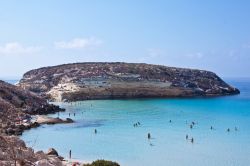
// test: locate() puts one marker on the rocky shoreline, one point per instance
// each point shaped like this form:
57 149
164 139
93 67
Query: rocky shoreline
18 106
17 110
22 110
13 151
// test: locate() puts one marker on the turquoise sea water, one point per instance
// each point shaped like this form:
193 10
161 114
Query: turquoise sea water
118 140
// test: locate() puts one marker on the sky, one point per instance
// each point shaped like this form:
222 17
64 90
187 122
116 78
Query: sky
210 34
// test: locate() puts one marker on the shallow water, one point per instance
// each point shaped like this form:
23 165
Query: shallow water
118 140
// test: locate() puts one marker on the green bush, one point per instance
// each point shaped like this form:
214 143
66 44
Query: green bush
102 163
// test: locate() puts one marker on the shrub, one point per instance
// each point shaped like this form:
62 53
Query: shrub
102 163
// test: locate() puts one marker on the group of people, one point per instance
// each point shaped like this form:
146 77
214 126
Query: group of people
137 124
73 114
191 127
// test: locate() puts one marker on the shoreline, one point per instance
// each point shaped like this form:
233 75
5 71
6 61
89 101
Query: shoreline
151 98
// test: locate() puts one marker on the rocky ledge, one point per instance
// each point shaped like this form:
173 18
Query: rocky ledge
80 81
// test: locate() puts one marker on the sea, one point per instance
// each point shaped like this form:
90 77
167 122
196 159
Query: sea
168 121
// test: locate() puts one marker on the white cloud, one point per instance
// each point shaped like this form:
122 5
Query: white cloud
15 48
78 43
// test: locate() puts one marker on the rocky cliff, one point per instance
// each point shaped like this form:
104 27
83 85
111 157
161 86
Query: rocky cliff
17 106
80 81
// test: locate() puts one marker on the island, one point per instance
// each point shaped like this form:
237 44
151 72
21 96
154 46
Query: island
105 80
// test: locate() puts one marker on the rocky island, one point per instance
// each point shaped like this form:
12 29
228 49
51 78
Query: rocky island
101 80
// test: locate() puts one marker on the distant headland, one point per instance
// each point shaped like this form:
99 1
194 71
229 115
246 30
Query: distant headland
105 80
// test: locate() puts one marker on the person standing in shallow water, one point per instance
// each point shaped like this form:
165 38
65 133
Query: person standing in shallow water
95 131
69 154
149 136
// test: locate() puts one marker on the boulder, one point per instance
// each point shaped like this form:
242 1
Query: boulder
52 151
69 120
43 162
40 155
54 161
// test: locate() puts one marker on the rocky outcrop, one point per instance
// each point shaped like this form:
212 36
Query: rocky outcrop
17 106
82 81
49 120
13 151
52 151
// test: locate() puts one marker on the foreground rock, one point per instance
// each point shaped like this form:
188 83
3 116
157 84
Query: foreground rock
13 151
82 81
52 151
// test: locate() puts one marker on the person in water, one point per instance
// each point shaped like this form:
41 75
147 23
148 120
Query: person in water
95 131
211 127
149 136
228 130
69 114
186 137
192 140
170 121
191 126
70 154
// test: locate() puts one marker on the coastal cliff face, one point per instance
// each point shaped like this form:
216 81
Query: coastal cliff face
80 81
17 106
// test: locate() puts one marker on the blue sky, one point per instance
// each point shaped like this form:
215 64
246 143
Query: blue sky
212 35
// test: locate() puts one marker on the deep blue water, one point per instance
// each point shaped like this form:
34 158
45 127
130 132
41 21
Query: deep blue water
118 140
